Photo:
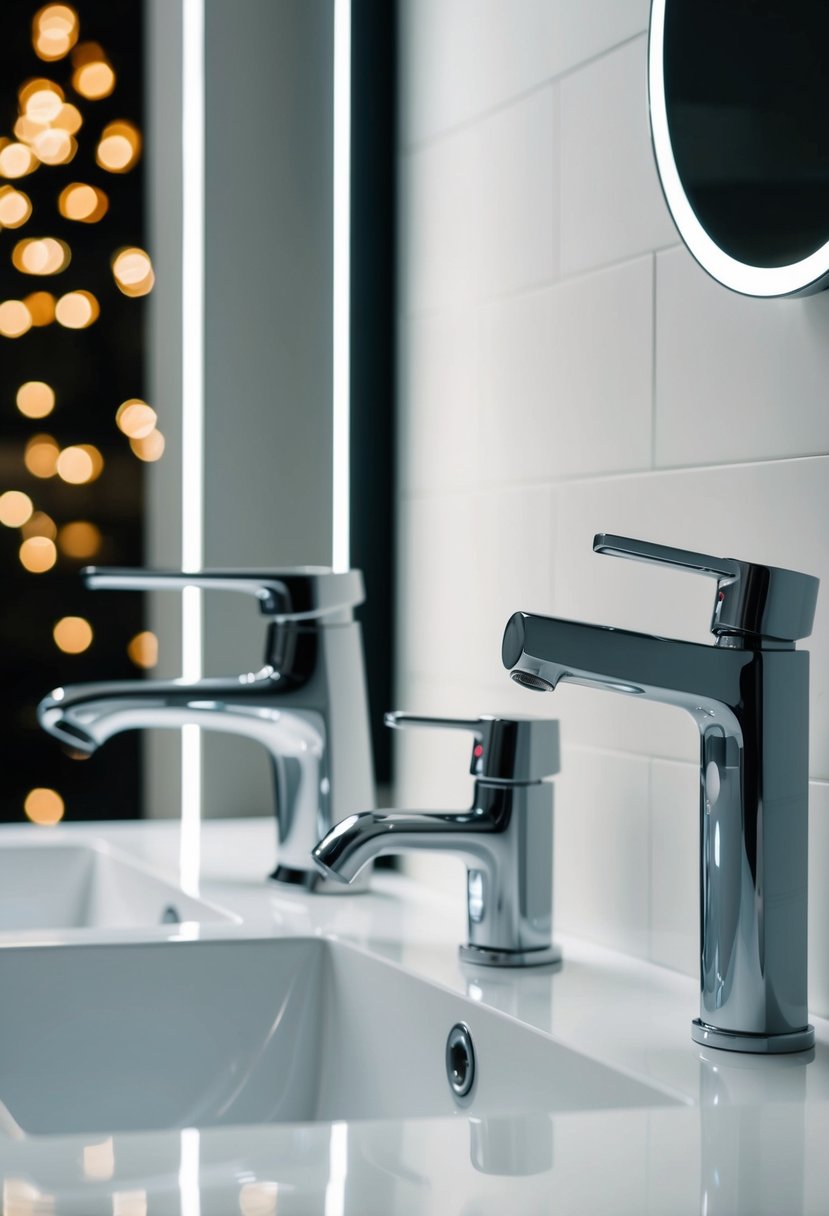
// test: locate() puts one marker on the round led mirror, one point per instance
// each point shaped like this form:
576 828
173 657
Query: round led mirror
738 107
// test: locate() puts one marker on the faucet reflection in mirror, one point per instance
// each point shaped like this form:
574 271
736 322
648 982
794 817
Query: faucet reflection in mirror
307 705
749 695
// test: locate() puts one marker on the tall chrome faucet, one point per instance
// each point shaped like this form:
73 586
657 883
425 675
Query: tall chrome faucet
505 838
307 705
749 695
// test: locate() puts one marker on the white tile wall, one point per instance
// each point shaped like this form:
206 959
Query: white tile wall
567 369
611 201
465 58
736 378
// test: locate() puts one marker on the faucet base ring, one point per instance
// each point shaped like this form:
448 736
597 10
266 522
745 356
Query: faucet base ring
486 957
317 883
762 1044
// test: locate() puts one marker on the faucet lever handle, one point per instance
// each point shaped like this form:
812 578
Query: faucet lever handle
298 593
764 602
505 749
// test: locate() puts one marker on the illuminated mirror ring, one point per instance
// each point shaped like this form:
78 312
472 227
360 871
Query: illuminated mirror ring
802 277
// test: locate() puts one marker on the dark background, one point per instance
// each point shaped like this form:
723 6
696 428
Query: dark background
92 371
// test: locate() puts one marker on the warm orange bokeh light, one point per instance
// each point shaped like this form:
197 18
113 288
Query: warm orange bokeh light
44 806
54 31
55 146
143 649
79 539
41 456
41 101
133 271
40 524
69 119
41 255
73 634
77 310
38 554
16 160
94 80
15 319
150 447
15 207
119 147
35 399
25 128
79 464
15 508
84 203
41 306
135 418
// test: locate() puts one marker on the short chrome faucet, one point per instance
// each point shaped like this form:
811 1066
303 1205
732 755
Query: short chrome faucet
506 838
307 705
749 694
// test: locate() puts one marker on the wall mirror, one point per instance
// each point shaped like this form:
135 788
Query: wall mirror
738 120
240 115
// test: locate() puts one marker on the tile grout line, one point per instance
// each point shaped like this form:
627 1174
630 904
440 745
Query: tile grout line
467 124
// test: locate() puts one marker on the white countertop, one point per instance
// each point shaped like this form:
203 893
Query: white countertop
750 1135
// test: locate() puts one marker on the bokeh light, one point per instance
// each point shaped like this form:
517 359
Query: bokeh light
40 524
73 634
41 255
69 119
15 508
44 806
15 319
79 464
15 207
35 399
143 649
80 539
150 447
16 160
41 100
77 310
41 456
93 76
81 202
54 146
38 554
41 306
133 271
135 418
118 148
54 31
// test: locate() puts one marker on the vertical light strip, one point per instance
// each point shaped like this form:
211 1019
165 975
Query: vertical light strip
188 1174
341 488
192 415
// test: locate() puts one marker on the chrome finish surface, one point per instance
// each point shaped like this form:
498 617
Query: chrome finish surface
460 1060
752 601
757 1044
505 838
307 705
483 956
750 701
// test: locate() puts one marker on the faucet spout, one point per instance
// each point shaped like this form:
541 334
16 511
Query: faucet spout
541 651
360 838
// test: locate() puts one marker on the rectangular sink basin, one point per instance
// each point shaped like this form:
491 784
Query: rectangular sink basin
62 886
152 1036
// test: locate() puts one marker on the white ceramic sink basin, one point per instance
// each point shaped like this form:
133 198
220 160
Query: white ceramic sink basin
204 1033
66 886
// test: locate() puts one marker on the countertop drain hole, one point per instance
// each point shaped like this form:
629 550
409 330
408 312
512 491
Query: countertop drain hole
460 1060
